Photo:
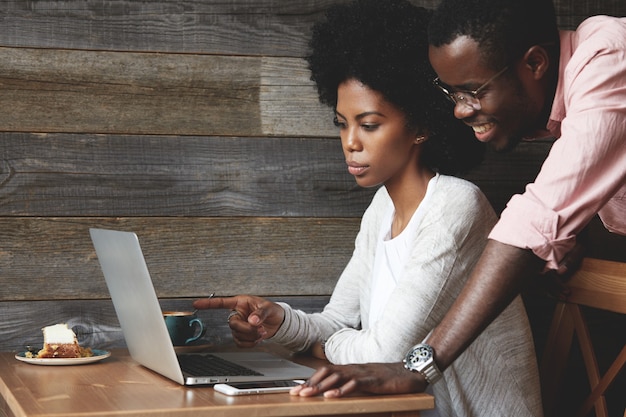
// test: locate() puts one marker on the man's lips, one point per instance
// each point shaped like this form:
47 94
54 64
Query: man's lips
482 127
482 130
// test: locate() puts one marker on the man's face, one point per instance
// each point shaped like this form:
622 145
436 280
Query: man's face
506 108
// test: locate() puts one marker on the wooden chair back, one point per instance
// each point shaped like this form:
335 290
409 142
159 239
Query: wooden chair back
599 284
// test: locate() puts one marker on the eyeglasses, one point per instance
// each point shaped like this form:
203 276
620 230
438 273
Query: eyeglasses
469 98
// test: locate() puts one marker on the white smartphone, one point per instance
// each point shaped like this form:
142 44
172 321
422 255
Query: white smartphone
247 388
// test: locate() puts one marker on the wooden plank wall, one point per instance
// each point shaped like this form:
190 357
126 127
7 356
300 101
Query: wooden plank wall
194 124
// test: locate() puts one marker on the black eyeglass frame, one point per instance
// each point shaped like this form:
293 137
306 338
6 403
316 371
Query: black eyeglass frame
470 98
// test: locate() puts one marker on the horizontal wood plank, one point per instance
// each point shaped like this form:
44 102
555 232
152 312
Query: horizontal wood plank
55 90
109 175
95 322
599 284
240 27
261 27
53 258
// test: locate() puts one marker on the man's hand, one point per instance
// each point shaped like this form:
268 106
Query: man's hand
554 282
252 319
572 261
375 378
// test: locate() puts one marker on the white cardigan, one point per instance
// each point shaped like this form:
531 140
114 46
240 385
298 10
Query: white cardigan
496 376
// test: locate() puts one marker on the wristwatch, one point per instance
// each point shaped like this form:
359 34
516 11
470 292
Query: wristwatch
420 358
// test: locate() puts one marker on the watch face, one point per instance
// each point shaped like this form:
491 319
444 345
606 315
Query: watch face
421 359
420 353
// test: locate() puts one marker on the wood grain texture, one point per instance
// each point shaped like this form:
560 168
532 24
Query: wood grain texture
58 90
599 284
53 258
120 387
240 27
572 341
112 175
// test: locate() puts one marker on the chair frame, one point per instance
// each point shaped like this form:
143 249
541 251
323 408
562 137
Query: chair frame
599 284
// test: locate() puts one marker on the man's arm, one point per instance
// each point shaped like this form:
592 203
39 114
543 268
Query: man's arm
499 276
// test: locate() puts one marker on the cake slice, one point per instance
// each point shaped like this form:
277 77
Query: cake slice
59 341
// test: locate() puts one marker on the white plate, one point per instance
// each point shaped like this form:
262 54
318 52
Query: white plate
98 355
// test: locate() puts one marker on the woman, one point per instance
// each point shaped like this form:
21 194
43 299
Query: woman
421 234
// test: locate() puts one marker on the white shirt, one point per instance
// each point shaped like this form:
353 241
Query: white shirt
392 254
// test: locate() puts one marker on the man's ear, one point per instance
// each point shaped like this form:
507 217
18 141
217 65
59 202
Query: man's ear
537 61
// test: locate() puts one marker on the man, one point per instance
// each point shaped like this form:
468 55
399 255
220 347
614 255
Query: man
511 75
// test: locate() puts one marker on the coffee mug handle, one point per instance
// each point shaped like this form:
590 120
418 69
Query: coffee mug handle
200 333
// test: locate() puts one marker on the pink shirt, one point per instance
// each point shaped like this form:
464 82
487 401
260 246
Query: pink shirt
585 171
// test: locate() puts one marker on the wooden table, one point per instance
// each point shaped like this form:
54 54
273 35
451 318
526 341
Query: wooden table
119 386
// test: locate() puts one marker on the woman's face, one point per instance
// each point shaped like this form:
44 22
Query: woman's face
376 141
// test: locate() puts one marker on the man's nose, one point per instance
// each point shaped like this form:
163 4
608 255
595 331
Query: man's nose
462 110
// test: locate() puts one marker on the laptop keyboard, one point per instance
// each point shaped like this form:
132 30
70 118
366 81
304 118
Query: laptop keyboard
211 365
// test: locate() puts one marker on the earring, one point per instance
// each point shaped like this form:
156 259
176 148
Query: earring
420 139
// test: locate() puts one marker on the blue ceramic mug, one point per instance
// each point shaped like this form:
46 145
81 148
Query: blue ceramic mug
184 327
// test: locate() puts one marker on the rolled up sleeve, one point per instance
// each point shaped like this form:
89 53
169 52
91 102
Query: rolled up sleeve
585 171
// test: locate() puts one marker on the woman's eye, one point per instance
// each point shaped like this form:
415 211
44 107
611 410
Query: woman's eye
370 126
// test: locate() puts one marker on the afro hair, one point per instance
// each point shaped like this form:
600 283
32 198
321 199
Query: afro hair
384 45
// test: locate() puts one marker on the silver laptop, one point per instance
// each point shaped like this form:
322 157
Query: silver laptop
145 332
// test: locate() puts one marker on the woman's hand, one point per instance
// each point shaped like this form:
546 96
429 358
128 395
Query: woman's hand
251 320
376 378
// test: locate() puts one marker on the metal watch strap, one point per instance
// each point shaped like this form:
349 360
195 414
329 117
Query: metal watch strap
431 373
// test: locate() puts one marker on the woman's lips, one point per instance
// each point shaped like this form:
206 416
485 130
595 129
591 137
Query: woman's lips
356 169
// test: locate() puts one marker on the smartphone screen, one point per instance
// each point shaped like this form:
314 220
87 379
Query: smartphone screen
246 388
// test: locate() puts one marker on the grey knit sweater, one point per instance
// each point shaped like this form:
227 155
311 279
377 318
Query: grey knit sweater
496 376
